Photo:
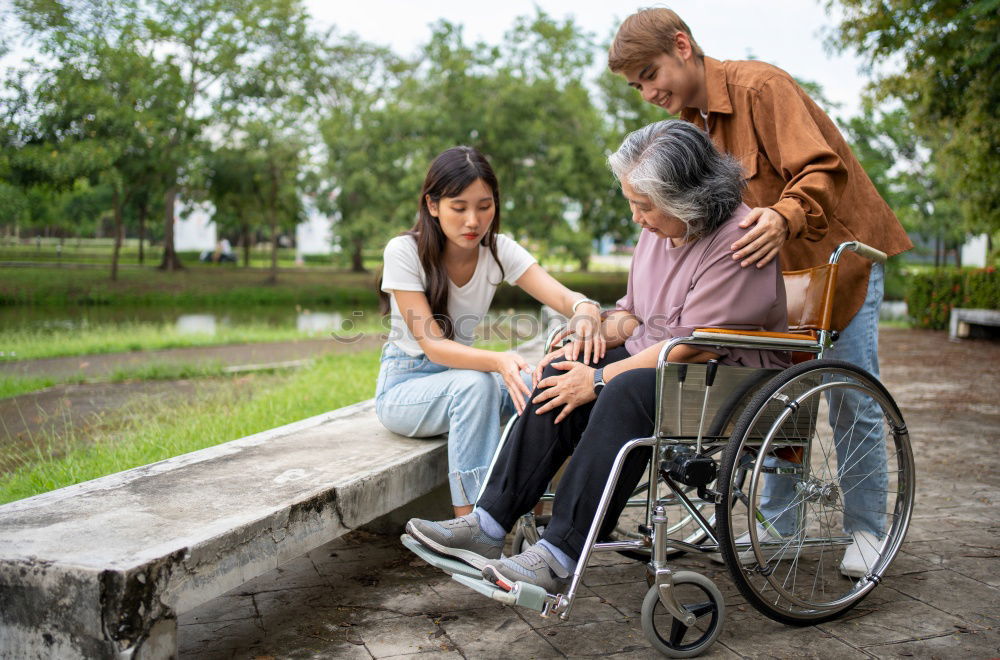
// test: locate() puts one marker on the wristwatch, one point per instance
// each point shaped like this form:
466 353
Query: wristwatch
599 381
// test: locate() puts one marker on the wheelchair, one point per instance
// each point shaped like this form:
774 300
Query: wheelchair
767 467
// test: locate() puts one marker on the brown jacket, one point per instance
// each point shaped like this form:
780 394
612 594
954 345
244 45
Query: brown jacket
797 163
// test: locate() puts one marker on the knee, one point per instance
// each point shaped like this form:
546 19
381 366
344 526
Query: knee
474 387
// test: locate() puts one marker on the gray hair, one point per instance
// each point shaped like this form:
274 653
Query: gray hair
676 165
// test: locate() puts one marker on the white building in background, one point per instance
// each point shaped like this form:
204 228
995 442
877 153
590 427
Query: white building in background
976 250
194 229
315 235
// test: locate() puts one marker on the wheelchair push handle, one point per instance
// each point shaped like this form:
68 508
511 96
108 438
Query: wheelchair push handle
866 251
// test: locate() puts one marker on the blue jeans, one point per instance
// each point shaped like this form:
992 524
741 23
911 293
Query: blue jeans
419 399
861 457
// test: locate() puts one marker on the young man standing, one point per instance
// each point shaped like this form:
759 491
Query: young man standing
808 193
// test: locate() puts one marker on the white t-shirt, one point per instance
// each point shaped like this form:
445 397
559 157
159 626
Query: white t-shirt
467 305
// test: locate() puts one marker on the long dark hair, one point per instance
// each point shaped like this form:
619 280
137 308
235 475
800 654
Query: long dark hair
452 171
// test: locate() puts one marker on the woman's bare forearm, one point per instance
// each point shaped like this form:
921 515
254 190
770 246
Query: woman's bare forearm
618 326
647 358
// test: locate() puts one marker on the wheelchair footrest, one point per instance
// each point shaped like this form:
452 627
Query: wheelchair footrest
447 564
523 594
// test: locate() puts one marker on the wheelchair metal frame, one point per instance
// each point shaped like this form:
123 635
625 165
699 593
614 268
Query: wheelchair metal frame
797 391
658 572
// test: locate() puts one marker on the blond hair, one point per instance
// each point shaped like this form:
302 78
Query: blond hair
646 34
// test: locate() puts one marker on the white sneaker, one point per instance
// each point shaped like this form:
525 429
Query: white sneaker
746 556
861 555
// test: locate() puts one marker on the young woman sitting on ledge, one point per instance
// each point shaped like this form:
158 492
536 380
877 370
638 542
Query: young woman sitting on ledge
686 197
438 281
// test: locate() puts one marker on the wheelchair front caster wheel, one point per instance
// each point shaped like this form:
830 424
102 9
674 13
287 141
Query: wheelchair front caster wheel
698 595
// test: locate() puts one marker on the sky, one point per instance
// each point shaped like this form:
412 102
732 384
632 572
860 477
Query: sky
786 33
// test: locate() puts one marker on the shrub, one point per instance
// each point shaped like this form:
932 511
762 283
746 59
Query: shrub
931 296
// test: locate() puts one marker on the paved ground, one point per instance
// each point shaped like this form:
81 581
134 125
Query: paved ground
364 596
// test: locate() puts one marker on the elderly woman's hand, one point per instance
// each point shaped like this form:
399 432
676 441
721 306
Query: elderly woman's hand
537 375
762 243
570 390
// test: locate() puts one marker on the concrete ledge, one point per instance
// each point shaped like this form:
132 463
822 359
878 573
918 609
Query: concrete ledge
102 568
973 323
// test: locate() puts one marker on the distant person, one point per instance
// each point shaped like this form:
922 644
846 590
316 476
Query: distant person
223 252
809 193
438 281
226 251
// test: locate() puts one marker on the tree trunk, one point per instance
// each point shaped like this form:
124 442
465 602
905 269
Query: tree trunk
170 261
273 277
143 209
357 261
116 202
245 229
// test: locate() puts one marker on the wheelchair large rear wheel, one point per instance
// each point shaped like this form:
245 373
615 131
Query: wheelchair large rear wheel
810 491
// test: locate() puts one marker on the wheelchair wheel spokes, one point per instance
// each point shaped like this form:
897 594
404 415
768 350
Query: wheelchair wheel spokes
809 486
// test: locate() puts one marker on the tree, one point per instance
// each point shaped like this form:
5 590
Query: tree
230 188
950 64
905 174
525 105
229 52
375 151
100 106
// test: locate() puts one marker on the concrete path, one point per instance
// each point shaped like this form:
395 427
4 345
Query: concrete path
364 596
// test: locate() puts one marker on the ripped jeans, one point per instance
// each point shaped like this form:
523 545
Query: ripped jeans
419 399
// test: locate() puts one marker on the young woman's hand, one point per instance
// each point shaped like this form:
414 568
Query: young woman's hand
509 366
569 390
586 328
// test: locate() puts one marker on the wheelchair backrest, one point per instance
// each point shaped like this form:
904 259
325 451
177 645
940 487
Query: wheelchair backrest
809 297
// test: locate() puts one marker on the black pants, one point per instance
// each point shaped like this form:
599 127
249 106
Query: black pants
593 434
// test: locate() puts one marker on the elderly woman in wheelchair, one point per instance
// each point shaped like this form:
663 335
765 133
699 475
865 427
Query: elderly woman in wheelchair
696 374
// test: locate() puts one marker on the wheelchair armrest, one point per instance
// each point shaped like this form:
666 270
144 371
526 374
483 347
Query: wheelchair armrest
760 337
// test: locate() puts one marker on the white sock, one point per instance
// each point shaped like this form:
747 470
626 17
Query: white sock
564 560
489 524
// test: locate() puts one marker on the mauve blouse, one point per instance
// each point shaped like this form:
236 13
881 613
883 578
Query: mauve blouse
673 290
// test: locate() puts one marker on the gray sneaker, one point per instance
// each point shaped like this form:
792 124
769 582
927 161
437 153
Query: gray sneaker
535 565
461 538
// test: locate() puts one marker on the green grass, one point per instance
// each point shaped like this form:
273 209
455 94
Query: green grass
98 252
15 386
207 286
18 385
197 286
126 439
28 343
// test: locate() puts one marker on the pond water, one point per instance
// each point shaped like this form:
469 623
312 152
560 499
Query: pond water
184 321
211 322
